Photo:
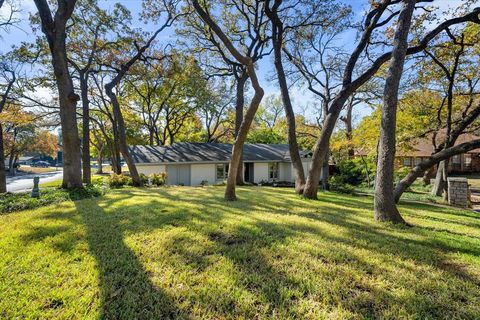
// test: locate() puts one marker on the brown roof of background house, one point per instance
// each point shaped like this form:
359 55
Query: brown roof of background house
424 146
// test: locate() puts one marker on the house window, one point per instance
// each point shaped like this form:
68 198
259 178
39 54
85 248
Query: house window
456 162
407 162
273 171
468 161
222 171
417 161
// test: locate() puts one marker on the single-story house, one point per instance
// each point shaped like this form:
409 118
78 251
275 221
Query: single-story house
468 162
192 164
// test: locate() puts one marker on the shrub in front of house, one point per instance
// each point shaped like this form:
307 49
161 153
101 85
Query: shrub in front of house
337 184
12 202
144 179
274 183
119 180
158 179
350 173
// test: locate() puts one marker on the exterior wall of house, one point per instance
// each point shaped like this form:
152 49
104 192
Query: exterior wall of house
260 171
410 162
459 164
177 173
149 169
464 163
307 164
285 173
203 172
476 162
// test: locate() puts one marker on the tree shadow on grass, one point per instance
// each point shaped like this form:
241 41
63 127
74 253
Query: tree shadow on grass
126 291
356 294
248 237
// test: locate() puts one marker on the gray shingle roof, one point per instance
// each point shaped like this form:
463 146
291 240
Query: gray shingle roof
209 152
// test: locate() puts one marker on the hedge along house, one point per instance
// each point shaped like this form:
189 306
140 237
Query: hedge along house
192 164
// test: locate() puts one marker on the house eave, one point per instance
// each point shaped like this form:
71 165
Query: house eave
207 162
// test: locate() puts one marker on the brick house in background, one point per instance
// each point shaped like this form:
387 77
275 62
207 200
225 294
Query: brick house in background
463 163
423 148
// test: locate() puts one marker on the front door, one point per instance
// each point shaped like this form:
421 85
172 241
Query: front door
248 177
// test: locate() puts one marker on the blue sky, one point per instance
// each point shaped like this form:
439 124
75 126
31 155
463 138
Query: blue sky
301 97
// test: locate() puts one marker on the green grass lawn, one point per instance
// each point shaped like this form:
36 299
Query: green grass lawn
182 252
416 192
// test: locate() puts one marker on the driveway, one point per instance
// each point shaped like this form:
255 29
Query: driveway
24 183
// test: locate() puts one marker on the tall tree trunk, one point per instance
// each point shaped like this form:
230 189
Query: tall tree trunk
151 138
236 160
54 29
349 130
114 156
426 177
450 137
72 173
100 162
119 122
277 41
240 100
114 161
325 172
87 171
114 149
118 161
122 138
439 183
367 173
321 148
118 167
384 200
445 176
11 163
3 176
240 181
247 62
3 101
239 107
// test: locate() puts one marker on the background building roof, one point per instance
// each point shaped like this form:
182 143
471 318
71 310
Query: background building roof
424 147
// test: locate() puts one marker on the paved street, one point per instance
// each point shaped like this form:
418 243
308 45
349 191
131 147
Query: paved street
25 182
